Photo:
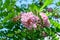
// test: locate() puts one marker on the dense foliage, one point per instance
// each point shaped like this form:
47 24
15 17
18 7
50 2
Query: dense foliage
11 27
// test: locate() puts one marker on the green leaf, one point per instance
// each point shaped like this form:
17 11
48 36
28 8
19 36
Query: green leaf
46 3
10 34
54 23
58 3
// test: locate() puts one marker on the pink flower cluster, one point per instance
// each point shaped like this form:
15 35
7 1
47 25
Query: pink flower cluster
45 19
29 20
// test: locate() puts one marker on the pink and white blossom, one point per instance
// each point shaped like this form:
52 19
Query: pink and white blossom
45 19
29 20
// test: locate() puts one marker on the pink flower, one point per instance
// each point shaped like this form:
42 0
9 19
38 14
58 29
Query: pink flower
29 20
45 19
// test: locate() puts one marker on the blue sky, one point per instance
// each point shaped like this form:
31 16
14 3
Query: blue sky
30 1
